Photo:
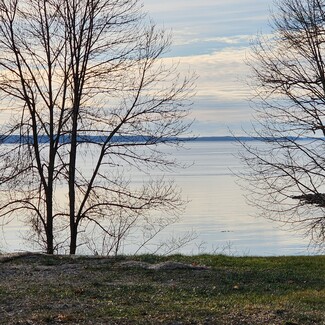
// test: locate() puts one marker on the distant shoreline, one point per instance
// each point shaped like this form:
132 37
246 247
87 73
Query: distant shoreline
11 139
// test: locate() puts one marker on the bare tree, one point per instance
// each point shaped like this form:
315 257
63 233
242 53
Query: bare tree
84 78
287 173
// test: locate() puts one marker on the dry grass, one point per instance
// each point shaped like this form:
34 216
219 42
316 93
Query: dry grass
40 289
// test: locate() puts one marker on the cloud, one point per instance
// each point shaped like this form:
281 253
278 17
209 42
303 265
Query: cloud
230 40
212 37
210 16
204 26
222 94
221 75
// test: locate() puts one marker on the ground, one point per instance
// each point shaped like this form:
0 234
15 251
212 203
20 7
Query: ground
206 289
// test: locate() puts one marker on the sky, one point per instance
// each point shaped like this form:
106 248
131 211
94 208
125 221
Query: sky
212 38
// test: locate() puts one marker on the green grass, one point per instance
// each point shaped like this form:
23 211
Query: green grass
234 290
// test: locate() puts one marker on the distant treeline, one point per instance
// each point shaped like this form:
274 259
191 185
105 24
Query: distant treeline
7 139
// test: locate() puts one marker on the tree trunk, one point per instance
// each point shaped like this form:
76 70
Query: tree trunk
73 238
72 179
72 194
49 235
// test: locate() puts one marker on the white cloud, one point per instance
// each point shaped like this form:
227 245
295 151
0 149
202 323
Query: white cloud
222 94
212 38
221 75
186 38
207 25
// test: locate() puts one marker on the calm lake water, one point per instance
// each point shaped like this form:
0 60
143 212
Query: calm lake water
216 212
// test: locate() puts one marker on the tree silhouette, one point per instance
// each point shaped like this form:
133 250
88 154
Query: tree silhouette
286 175
85 78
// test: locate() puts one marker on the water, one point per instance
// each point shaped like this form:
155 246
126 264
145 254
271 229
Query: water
217 212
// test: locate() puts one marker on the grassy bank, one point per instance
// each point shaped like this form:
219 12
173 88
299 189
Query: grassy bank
39 289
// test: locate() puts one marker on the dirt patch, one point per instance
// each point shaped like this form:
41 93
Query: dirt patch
168 265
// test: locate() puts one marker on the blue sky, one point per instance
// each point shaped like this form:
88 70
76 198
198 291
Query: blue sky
212 37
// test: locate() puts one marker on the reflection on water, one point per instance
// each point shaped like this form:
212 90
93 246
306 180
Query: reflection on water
217 211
